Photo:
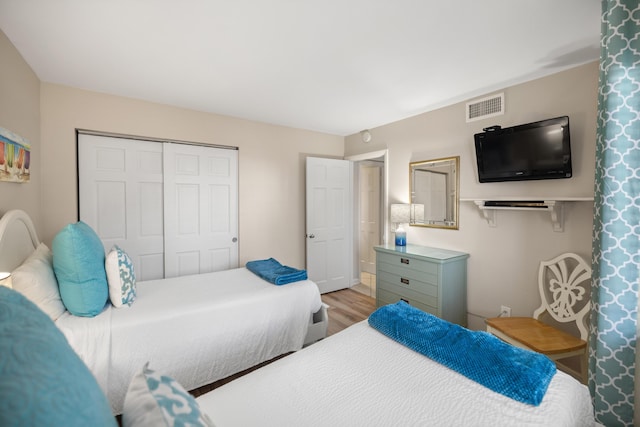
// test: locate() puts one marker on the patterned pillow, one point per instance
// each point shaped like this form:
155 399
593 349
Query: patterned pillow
121 277
154 399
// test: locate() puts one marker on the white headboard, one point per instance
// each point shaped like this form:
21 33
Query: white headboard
18 239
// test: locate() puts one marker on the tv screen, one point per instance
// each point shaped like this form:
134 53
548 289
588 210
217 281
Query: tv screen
539 150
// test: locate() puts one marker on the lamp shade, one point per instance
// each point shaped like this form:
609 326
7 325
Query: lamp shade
399 213
5 279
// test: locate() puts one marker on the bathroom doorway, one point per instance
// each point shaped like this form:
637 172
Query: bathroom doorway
370 220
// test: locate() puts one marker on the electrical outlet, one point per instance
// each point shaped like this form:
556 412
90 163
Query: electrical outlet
505 311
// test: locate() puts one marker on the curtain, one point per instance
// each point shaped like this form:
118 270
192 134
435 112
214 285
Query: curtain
616 229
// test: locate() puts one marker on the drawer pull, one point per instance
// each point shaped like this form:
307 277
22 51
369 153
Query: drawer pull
404 260
405 281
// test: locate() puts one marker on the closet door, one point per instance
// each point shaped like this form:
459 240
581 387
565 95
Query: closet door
172 207
201 209
121 198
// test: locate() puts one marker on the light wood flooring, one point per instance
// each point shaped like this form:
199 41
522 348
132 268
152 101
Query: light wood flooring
347 307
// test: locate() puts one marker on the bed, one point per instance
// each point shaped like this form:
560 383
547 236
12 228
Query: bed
361 377
198 329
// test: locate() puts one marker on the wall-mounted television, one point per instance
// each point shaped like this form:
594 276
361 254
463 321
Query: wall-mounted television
538 150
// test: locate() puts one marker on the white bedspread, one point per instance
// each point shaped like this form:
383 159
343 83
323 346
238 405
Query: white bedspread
197 329
359 377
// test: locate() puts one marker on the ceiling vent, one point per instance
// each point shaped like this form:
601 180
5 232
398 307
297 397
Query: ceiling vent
484 108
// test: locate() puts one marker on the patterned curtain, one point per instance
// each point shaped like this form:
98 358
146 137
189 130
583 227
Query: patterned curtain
616 228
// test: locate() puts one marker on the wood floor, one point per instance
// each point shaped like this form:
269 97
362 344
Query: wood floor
347 307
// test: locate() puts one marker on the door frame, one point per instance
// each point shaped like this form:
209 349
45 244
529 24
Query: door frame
384 195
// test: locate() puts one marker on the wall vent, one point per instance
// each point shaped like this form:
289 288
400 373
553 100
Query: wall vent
483 108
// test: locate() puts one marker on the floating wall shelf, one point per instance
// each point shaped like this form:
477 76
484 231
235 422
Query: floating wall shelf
553 205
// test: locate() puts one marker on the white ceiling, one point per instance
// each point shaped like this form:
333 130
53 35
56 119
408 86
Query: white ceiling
335 66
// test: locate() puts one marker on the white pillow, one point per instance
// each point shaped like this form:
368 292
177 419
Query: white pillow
121 277
36 280
158 400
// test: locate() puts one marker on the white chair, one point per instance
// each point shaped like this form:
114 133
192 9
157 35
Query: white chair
564 283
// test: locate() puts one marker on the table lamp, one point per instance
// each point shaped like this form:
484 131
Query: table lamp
400 215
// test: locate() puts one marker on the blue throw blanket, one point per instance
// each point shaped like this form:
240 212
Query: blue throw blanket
514 372
276 273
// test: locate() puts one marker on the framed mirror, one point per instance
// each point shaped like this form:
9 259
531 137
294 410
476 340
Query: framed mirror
434 187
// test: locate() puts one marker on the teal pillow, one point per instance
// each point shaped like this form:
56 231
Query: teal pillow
78 261
42 380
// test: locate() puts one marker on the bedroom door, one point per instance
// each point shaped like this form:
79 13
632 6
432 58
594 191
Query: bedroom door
201 209
172 207
328 215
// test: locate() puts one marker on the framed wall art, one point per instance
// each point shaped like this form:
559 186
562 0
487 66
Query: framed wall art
15 157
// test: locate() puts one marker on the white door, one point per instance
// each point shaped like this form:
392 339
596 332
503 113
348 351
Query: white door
172 207
328 214
369 184
201 209
121 198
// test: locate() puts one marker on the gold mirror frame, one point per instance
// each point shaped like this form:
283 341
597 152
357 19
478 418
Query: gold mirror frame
434 192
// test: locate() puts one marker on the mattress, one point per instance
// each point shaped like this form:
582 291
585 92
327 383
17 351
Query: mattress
197 329
361 377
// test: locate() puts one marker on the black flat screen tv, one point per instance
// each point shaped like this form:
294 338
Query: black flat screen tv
538 150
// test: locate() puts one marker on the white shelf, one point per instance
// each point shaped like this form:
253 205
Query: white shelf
553 205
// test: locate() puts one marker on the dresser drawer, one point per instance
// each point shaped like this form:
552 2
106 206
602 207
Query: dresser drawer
385 297
408 283
409 274
387 261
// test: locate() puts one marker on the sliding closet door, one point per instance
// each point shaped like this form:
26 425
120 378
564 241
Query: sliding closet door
201 209
172 207
121 198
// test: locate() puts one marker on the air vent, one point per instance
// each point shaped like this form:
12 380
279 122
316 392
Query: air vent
483 108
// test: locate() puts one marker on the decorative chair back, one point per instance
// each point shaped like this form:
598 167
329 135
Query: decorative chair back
565 289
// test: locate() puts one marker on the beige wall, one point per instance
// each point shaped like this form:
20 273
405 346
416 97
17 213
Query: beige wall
271 158
503 263
271 162
20 113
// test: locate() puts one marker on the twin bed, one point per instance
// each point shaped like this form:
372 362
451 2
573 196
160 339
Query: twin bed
198 329
359 376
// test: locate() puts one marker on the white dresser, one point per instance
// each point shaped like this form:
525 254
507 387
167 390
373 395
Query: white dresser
431 279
